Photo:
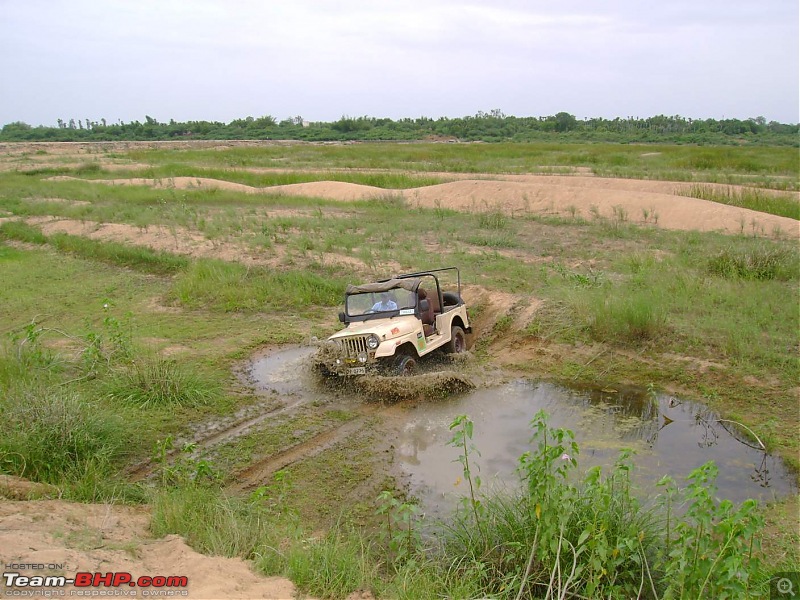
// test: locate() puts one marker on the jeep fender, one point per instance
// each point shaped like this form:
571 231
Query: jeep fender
389 347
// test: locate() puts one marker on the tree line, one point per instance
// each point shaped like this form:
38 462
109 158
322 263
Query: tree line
493 126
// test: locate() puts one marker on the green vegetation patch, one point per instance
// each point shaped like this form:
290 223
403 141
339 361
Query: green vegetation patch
52 434
752 198
154 382
234 287
762 262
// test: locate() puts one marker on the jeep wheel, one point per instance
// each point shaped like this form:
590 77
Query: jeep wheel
458 342
405 365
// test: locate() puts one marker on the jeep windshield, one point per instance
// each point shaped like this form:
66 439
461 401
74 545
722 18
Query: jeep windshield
384 303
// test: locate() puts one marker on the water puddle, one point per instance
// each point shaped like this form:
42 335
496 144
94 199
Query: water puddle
285 372
670 437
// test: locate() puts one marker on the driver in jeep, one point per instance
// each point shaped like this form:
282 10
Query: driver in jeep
385 303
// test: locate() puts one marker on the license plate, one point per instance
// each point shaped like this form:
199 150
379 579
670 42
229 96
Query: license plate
357 371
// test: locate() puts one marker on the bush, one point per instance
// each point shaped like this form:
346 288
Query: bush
560 537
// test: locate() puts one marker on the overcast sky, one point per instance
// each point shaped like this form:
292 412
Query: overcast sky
225 59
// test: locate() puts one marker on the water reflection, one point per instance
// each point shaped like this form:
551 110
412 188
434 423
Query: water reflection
669 436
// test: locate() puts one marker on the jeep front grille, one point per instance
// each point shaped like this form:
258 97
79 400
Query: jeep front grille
353 345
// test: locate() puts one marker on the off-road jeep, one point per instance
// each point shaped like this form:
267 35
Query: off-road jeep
390 324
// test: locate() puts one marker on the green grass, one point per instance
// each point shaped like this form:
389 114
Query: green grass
775 166
114 253
53 434
164 172
752 198
233 287
151 382
593 529
762 262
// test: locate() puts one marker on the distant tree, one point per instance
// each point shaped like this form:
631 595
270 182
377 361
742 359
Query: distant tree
565 122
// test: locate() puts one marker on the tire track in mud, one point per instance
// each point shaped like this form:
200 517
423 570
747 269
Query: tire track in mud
260 471
281 383
209 435
235 429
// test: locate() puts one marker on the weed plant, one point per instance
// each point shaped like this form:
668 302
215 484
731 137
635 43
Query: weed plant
563 537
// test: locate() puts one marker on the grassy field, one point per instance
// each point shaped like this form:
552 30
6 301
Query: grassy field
112 349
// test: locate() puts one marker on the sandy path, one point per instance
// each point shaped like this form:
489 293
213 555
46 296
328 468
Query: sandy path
637 201
106 538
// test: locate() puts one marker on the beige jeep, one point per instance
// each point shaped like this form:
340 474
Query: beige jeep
391 324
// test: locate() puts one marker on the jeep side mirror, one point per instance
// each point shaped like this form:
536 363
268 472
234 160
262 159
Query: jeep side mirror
341 316
424 305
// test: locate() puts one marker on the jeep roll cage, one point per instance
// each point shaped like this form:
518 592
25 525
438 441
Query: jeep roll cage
410 282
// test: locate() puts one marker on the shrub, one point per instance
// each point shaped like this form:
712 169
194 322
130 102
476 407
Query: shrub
561 537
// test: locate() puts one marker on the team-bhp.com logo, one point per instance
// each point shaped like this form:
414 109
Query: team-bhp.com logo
19 585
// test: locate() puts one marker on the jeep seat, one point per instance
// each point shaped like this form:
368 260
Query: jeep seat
428 317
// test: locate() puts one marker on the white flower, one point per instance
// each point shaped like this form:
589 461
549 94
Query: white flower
565 456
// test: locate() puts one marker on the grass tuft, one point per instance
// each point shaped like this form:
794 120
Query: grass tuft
760 262
632 318
234 287
752 198
22 232
159 382
51 434
134 257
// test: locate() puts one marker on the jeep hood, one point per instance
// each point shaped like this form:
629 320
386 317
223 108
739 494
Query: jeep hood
385 329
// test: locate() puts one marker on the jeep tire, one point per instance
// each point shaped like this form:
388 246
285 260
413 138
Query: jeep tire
404 365
458 341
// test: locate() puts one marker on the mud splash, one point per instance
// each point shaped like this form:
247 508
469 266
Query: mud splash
669 437
428 385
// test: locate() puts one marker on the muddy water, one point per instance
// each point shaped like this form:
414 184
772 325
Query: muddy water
669 437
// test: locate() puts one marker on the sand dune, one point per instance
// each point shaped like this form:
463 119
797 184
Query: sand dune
652 203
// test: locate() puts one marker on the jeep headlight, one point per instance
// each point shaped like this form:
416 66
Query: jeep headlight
362 357
373 342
